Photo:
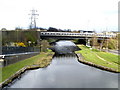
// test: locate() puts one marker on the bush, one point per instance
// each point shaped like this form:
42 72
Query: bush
112 44
21 44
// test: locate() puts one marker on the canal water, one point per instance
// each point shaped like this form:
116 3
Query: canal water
65 71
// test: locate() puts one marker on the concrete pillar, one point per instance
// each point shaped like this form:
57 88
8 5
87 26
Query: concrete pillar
88 42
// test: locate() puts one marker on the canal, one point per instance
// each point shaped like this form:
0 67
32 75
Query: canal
65 71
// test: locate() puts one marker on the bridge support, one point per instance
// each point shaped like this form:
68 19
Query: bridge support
88 42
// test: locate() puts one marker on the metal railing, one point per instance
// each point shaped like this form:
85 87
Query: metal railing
14 50
12 55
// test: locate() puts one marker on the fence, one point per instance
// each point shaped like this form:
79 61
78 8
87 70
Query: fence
15 54
15 50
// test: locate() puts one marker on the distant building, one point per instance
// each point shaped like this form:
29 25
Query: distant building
110 32
115 32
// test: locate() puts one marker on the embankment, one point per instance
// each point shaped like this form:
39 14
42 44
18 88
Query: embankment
13 71
82 60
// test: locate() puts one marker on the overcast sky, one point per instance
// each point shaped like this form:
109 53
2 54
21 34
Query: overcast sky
96 15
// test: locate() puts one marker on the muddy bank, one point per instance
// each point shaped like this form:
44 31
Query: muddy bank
82 60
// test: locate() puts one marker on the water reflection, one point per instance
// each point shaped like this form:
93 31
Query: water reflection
64 47
66 72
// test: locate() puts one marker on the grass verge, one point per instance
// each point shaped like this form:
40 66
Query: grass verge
100 58
42 59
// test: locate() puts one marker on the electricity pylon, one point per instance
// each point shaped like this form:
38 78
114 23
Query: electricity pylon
33 19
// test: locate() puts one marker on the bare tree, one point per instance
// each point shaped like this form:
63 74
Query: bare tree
94 41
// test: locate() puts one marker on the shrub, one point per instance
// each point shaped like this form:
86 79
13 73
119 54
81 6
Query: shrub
21 44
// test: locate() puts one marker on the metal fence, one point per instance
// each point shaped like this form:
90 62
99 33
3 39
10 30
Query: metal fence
14 50
15 54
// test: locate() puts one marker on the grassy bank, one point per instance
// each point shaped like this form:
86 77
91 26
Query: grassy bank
43 59
100 58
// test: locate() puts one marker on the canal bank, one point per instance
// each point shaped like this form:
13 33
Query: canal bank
82 60
13 71
102 60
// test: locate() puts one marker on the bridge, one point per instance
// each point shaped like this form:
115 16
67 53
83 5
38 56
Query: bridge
67 35
84 36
